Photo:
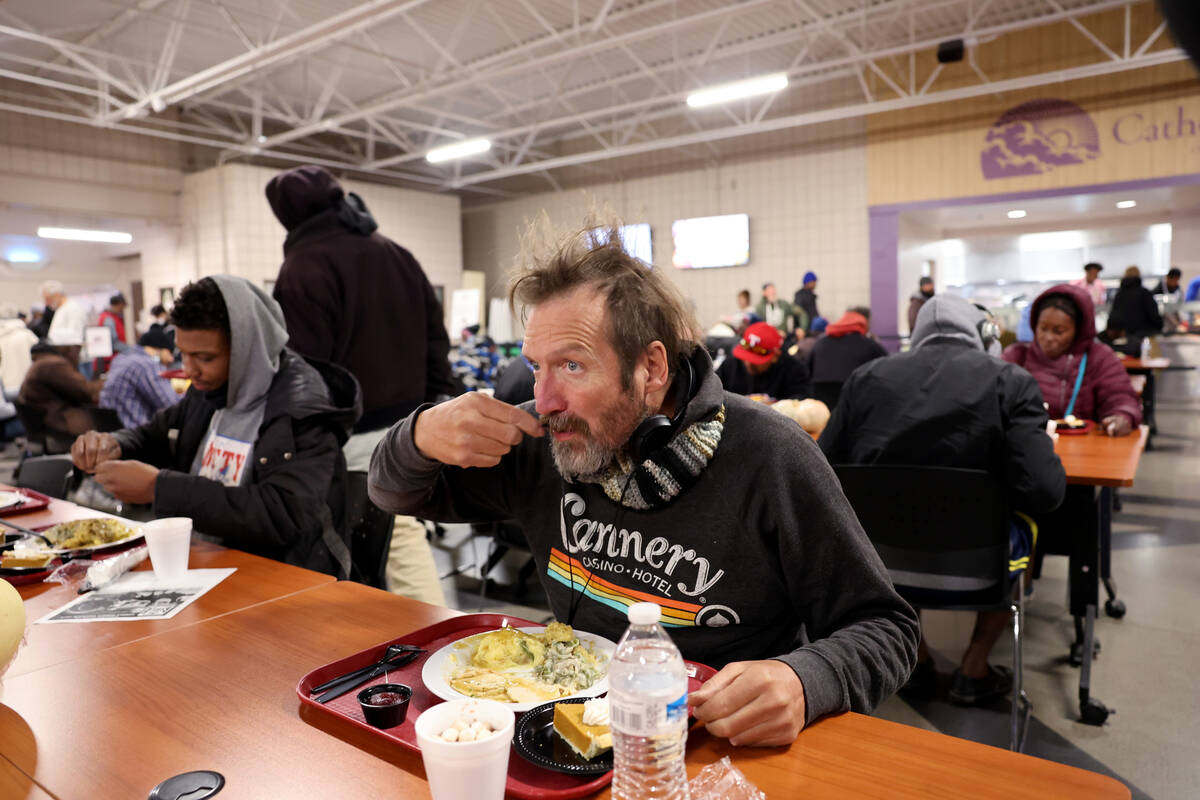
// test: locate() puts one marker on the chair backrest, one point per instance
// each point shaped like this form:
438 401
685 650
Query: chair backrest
50 475
36 432
370 533
105 420
31 421
943 533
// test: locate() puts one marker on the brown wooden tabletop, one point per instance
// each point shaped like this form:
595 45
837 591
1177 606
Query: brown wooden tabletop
257 580
1096 459
220 695
16 785
1140 364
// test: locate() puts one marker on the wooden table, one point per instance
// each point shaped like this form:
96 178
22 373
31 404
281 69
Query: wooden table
257 580
220 695
1146 368
15 784
1106 463
1096 459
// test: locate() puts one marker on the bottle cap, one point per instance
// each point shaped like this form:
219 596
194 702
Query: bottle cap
644 613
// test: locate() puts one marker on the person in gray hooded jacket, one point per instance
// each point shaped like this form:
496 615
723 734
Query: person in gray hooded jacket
252 454
947 403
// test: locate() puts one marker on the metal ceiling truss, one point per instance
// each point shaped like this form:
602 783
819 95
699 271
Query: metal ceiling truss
609 82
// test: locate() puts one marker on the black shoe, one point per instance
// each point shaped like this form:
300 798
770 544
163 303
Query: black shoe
966 691
922 682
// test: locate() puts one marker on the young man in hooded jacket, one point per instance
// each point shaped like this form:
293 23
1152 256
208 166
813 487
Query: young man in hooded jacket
252 454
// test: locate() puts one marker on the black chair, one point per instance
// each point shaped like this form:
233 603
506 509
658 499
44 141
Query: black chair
105 420
506 535
40 440
50 475
370 534
943 534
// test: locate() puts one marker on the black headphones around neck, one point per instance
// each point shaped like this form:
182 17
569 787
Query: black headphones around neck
655 431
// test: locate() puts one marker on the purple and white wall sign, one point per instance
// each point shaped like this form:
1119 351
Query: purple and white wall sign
1037 137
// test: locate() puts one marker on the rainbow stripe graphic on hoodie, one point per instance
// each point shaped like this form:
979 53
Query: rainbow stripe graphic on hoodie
572 574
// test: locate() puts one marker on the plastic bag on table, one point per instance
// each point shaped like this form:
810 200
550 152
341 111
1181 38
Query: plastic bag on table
723 781
70 571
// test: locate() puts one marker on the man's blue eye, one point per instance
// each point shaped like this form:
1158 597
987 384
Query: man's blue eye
573 365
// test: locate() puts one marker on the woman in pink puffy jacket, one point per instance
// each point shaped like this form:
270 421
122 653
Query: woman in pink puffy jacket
1064 343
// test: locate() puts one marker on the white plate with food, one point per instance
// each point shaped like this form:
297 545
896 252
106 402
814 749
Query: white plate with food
8 499
521 667
92 535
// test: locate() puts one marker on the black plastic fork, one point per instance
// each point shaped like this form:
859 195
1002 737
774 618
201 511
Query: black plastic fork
396 655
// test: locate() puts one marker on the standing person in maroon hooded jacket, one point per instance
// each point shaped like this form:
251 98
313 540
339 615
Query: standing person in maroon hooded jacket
1064 344
356 298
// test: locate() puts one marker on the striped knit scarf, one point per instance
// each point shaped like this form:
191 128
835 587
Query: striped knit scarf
658 480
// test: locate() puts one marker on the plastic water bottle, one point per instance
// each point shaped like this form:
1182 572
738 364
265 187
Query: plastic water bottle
647 699
1145 347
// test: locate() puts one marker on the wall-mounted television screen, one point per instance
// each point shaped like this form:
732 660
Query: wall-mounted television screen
703 242
635 240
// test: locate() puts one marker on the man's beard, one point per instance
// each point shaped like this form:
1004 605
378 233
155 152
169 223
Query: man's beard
587 453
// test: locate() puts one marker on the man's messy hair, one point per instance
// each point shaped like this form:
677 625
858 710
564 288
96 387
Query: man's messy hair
643 305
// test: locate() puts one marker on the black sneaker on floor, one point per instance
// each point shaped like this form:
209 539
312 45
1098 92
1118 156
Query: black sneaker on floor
921 683
966 691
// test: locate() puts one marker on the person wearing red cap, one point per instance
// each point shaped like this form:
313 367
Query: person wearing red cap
759 366
844 347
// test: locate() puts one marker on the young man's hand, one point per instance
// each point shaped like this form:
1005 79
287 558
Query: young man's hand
94 448
128 481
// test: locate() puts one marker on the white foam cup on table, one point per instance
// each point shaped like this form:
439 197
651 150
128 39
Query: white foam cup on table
476 770
169 540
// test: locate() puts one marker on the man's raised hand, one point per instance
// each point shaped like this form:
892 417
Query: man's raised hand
472 430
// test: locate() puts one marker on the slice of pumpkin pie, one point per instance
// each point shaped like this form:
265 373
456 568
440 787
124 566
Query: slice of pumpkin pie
584 726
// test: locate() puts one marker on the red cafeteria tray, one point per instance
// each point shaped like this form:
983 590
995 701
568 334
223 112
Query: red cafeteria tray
525 780
35 501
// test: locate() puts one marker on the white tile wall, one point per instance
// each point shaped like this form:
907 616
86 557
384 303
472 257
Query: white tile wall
808 210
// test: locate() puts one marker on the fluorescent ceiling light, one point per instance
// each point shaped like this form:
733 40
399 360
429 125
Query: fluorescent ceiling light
23 255
763 84
79 235
1016 213
1126 203
460 150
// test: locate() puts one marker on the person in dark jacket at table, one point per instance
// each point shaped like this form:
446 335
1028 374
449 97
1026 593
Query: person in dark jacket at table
760 367
1134 310
252 454
947 403
844 348
56 389
1064 326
